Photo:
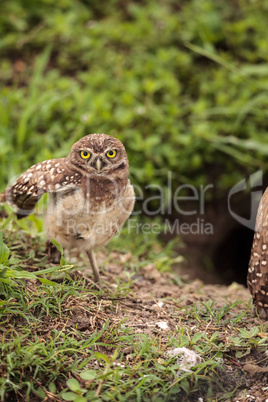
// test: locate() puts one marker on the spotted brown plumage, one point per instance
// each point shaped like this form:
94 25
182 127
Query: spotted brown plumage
257 278
50 176
90 194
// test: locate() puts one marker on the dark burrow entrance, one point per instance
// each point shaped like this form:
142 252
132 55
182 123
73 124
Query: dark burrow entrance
232 255
220 257
223 260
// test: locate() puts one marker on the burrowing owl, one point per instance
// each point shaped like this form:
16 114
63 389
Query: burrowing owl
258 265
90 194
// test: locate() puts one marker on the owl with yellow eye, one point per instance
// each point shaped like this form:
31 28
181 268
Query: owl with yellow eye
90 194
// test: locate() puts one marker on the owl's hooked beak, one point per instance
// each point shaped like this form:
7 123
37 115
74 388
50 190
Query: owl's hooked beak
98 165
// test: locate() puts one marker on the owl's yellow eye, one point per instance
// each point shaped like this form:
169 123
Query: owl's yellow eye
111 154
84 154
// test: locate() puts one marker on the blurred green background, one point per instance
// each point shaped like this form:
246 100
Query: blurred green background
182 83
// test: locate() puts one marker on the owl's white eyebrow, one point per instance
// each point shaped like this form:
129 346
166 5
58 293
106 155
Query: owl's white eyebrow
86 149
109 149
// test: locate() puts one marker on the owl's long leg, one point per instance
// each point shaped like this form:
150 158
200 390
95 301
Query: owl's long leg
94 265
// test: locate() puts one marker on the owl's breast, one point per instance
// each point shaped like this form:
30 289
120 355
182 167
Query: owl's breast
76 221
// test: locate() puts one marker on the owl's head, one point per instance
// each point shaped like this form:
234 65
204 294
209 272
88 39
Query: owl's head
100 155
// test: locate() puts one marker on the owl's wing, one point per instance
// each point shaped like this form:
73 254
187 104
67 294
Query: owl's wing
50 176
257 278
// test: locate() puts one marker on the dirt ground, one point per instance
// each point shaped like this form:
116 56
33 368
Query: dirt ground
158 306
142 311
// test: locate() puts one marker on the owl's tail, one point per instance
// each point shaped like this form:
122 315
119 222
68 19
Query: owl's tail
3 197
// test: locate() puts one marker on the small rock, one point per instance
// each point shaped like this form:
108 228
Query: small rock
163 325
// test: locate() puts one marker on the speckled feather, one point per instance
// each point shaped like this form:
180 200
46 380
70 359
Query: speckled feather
257 278
86 193
49 176
90 194
66 174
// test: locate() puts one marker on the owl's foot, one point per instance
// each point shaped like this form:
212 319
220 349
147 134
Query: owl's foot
263 314
94 265
261 310
85 277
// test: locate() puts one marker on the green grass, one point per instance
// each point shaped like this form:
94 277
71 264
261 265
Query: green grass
63 338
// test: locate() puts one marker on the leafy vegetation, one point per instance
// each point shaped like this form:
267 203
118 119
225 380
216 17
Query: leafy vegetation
182 84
